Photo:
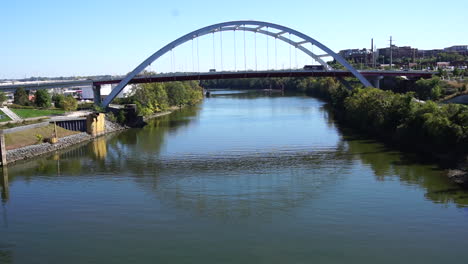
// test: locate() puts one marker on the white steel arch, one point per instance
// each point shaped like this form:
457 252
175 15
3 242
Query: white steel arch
247 25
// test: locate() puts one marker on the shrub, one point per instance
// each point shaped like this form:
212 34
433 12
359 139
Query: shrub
42 99
39 138
69 103
21 97
58 100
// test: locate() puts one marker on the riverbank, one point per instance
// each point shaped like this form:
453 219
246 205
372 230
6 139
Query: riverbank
433 132
32 151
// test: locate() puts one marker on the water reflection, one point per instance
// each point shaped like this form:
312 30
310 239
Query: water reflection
386 163
5 185
277 179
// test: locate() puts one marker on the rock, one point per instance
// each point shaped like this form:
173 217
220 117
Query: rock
458 176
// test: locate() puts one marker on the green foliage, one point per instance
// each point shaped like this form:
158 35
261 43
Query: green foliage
43 99
111 117
85 106
58 100
98 109
39 138
426 126
157 97
457 72
69 103
428 89
15 106
121 117
28 113
3 98
21 97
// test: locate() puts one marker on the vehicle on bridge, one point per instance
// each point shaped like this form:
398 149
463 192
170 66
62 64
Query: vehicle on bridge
314 67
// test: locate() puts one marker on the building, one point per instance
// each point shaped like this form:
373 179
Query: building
399 52
458 48
357 55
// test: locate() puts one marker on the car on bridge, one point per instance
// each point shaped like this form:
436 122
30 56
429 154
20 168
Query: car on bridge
313 67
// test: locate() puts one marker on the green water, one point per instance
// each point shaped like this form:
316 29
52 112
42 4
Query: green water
241 178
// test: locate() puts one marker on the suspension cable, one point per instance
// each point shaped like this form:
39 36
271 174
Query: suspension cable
235 51
255 50
290 65
245 56
214 52
198 55
193 63
295 55
312 50
267 50
221 48
276 54
172 61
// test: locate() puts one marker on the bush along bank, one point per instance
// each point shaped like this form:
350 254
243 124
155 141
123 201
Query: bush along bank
437 131
153 98
441 130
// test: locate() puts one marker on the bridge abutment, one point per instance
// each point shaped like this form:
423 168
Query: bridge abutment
97 94
376 81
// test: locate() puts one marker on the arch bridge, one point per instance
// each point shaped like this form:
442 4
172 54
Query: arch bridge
275 31
251 26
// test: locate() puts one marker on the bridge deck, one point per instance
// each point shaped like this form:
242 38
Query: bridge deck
217 75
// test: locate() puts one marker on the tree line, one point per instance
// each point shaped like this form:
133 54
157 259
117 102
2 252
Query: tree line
43 99
156 97
392 116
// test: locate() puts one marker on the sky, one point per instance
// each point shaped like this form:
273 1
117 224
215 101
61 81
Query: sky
77 38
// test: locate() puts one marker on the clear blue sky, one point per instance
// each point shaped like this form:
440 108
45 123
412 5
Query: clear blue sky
68 37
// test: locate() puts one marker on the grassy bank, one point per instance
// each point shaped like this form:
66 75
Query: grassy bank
28 113
4 117
34 136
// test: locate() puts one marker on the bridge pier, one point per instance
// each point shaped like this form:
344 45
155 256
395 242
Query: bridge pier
376 81
5 186
97 94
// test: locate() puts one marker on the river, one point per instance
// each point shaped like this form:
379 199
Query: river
244 177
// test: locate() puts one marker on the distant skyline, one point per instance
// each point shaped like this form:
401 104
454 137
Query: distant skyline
75 38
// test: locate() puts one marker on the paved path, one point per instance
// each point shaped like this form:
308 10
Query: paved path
10 114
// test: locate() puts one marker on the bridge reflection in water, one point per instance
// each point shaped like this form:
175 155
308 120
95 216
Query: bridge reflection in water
202 183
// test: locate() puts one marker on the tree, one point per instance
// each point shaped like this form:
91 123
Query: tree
58 100
69 103
3 98
177 94
21 97
43 99
428 88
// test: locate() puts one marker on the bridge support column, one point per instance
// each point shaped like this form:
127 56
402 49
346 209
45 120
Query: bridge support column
3 152
97 94
376 81
5 186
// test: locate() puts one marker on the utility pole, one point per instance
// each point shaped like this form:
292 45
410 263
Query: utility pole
375 57
391 53
372 50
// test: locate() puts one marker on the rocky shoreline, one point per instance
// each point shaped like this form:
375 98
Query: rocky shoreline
459 174
32 151
65 142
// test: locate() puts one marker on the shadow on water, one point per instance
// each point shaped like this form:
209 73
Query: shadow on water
411 169
110 156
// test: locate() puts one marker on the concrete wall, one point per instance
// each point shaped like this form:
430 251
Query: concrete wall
96 124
